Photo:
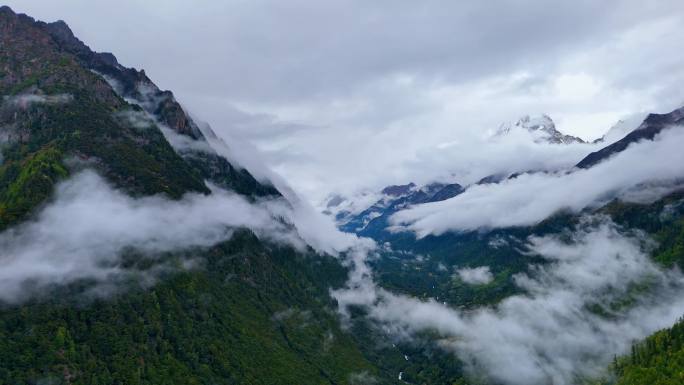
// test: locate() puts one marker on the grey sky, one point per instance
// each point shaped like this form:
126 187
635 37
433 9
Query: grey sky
341 95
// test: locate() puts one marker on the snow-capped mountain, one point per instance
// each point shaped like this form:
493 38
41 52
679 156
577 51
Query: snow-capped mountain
353 217
542 127
647 130
620 129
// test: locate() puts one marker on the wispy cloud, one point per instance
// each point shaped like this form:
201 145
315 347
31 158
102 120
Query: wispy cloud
476 275
26 99
570 321
403 81
530 198
89 226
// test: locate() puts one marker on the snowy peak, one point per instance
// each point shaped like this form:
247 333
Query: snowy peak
366 217
620 129
542 127
542 123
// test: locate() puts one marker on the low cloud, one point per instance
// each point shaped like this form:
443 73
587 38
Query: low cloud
85 231
138 119
475 276
569 323
27 99
9 105
362 378
645 171
402 81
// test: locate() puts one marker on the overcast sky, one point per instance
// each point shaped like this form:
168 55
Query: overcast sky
342 95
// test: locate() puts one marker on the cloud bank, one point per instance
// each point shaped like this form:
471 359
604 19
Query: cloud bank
531 198
89 226
401 82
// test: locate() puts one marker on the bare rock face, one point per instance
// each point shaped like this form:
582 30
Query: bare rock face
373 221
130 82
398 190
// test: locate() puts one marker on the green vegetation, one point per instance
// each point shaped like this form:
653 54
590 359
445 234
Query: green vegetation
141 162
658 360
23 185
251 314
425 268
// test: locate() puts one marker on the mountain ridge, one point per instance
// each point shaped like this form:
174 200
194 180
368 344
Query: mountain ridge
652 125
541 125
220 314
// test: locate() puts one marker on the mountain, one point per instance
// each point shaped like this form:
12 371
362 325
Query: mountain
431 266
542 127
41 59
621 128
134 86
647 130
249 308
375 218
249 311
371 218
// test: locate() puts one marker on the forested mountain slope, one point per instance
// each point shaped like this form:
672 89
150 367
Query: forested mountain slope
249 312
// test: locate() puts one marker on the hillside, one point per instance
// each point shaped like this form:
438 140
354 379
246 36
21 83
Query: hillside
656 360
250 312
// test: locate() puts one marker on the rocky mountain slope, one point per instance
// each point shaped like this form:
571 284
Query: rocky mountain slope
250 312
393 198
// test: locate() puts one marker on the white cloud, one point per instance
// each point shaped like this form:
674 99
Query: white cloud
576 87
26 99
342 112
531 198
138 119
89 226
362 378
475 276
554 332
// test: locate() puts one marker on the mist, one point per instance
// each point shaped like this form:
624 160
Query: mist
84 232
475 276
568 324
24 100
531 198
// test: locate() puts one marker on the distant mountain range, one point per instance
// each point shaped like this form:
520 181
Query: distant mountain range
394 198
373 220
